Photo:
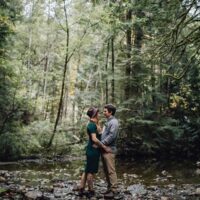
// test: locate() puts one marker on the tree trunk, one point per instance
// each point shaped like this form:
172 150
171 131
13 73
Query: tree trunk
153 85
46 67
106 69
128 49
113 71
45 84
63 79
136 68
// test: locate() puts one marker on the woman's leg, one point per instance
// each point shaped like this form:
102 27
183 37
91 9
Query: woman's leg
90 178
81 187
82 184
83 181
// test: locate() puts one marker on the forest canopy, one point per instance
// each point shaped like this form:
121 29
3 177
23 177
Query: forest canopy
59 57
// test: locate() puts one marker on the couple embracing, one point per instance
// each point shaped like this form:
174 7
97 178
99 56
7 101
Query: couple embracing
101 143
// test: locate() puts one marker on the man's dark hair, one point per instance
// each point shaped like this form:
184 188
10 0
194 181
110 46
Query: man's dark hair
110 108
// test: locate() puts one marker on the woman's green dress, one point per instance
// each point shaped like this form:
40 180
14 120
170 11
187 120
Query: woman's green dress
92 153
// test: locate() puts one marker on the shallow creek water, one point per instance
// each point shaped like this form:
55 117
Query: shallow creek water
179 179
129 172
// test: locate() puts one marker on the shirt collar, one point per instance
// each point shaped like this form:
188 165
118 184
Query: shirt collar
111 117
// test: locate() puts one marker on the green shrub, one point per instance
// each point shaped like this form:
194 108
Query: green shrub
12 146
41 131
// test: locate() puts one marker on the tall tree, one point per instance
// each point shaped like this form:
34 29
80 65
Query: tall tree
9 102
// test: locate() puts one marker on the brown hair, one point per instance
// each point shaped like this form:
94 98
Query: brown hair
92 112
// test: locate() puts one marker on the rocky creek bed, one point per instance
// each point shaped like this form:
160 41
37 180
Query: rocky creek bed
55 180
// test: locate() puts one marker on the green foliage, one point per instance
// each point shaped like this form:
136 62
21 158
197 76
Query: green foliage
12 106
152 71
188 145
78 149
12 146
9 13
167 137
40 132
33 139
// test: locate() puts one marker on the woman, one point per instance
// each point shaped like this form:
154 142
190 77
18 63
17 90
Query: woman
92 153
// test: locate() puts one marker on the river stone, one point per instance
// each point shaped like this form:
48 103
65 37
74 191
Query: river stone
2 179
169 177
61 192
46 188
164 173
33 195
3 172
133 176
197 171
22 189
48 196
7 175
164 198
118 197
198 163
197 191
137 189
172 186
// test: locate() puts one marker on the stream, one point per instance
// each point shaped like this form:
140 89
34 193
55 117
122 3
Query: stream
147 179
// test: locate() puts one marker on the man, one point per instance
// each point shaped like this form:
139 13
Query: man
108 138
